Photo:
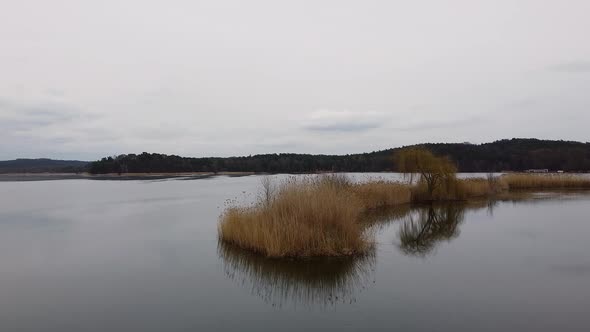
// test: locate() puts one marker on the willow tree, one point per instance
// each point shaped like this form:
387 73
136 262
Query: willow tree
435 171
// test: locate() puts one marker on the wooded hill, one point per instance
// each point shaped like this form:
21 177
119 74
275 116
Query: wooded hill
42 165
503 155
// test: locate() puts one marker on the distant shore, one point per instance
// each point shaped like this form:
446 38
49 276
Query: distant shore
114 176
18 177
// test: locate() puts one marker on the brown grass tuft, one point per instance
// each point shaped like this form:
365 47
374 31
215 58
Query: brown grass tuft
310 217
454 189
374 195
480 187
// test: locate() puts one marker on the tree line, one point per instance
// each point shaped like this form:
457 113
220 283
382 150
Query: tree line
502 155
42 165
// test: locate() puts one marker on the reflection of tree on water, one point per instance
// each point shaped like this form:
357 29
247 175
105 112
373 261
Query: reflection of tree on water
420 232
314 282
424 227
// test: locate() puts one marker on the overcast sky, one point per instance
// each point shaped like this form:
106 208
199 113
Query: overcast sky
84 79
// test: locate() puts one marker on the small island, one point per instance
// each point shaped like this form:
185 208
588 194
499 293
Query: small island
325 215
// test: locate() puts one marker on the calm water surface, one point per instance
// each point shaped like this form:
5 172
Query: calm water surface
82 255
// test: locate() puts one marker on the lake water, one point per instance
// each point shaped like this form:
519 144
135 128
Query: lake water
83 255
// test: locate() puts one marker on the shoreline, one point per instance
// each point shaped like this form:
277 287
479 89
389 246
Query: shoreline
17 177
22 177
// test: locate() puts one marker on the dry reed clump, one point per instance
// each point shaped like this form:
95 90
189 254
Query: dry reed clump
448 189
546 181
453 189
321 216
480 187
310 217
374 195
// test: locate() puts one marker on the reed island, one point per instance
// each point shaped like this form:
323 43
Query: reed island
324 215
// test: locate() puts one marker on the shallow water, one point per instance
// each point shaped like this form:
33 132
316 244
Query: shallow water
80 255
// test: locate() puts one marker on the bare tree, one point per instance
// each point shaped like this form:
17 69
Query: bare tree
268 189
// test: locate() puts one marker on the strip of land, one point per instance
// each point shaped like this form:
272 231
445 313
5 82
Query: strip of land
115 176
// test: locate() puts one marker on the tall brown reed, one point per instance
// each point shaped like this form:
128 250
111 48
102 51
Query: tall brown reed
374 195
546 181
310 217
321 216
458 189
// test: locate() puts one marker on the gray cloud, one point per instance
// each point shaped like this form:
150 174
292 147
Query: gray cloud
343 121
210 78
523 103
343 127
437 124
18 116
580 66
30 128
55 92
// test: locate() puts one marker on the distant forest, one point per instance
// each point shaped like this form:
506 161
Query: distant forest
503 155
43 165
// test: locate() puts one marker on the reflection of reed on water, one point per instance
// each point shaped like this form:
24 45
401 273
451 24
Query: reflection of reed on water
315 282
378 219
